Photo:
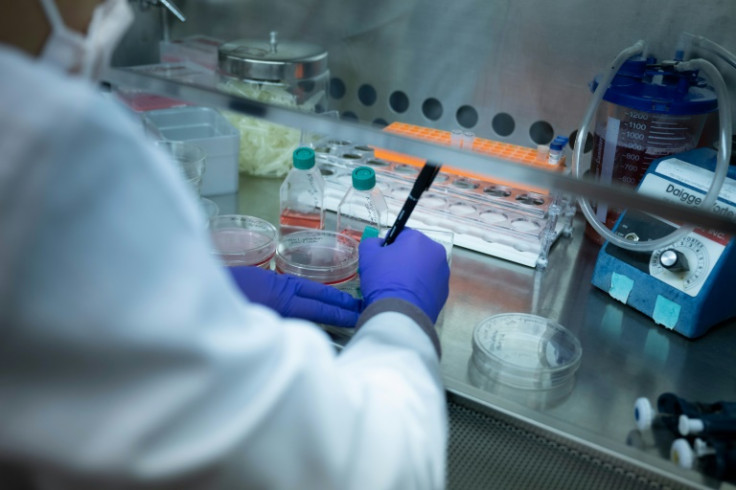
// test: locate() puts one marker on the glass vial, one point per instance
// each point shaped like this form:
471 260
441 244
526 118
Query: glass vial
301 196
363 205
555 155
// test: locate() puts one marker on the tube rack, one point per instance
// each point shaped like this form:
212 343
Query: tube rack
513 223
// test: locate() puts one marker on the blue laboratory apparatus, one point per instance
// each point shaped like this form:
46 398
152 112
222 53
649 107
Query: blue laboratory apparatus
648 135
686 286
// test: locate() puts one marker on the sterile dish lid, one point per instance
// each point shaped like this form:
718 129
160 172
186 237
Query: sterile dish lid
526 351
323 256
272 60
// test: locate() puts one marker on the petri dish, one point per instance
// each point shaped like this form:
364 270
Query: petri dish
191 160
244 240
526 351
536 399
322 256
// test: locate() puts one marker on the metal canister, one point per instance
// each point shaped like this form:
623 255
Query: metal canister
286 73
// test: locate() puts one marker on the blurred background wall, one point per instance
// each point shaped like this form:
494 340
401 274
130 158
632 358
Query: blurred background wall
515 71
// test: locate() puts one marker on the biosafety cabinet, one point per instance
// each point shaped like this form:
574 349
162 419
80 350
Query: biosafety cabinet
552 339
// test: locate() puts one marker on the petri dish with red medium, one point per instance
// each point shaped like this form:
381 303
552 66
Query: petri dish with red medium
244 240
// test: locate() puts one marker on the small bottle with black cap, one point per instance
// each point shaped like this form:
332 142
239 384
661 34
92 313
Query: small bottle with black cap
362 206
301 195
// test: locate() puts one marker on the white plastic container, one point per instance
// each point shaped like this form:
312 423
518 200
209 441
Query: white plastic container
208 129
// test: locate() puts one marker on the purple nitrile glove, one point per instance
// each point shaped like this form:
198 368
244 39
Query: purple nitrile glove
296 297
413 268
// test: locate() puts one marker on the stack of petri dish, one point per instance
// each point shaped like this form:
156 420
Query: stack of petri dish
191 160
528 358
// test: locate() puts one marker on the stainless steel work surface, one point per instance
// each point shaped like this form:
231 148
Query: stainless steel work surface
625 355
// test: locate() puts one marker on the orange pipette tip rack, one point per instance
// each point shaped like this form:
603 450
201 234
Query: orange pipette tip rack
505 151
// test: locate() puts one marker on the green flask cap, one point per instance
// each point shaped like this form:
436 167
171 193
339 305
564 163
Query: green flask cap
364 178
303 158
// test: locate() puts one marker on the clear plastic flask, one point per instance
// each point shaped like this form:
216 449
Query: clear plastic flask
363 205
301 197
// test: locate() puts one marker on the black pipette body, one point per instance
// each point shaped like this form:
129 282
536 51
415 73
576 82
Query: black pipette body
424 180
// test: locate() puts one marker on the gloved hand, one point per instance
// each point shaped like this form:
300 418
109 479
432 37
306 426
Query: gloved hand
295 297
413 268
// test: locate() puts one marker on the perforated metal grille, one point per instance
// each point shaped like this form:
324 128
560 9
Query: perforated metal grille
488 453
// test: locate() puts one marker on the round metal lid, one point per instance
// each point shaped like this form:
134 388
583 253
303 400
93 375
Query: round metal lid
272 60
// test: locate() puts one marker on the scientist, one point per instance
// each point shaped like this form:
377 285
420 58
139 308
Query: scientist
130 359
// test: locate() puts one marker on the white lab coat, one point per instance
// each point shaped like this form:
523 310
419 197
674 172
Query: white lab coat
128 357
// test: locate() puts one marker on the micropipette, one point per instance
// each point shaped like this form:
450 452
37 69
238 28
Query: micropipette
424 180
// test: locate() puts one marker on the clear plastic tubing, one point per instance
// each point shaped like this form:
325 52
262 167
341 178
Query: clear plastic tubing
363 205
691 43
724 117
301 197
